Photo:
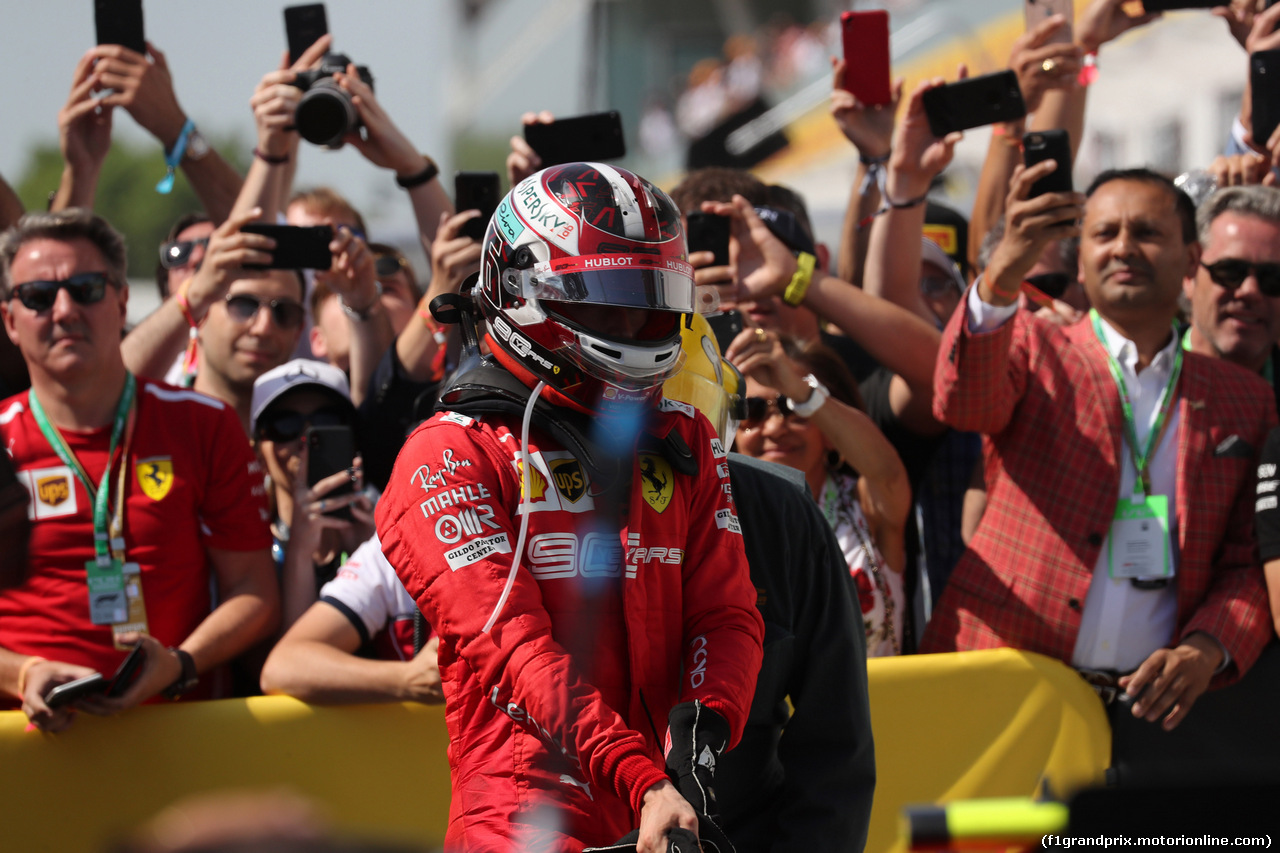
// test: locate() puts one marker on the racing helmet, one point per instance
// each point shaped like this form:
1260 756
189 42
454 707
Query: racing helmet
584 276
707 381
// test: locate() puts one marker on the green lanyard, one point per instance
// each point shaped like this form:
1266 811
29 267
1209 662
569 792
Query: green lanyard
101 510
1140 459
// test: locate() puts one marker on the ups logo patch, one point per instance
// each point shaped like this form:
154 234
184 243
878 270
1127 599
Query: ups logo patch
53 490
570 479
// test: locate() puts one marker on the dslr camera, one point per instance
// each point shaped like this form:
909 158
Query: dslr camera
325 114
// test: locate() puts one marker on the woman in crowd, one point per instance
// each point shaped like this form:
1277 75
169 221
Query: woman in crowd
803 410
313 532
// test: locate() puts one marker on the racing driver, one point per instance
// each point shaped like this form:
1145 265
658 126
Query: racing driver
572 538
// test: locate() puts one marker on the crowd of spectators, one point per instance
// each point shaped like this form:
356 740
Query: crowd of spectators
1046 425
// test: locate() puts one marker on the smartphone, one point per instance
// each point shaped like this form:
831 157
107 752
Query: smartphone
303 27
120 22
597 136
974 102
709 232
1166 5
476 191
1039 146
64 694
126 672
1264 88
297 246
1038 10
726 325
866 55
331 449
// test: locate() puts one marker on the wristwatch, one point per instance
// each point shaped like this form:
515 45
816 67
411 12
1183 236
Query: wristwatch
809 407
187 680
197 147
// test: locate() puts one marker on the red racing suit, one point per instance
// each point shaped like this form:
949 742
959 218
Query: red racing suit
556 715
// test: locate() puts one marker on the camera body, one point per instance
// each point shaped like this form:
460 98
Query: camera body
325 114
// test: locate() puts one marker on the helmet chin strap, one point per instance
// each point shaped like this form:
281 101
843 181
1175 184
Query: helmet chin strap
526 498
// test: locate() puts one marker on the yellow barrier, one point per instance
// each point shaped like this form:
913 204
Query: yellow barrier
947 727
979 724
377 770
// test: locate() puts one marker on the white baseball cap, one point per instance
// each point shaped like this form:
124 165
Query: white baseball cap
299 373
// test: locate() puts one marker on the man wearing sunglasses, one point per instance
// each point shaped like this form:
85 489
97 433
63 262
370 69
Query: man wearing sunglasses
1118 535
142 495
246 321
1235 291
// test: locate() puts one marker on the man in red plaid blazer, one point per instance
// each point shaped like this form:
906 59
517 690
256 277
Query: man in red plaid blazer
1039 573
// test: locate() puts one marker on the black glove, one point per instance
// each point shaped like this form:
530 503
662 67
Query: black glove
696 738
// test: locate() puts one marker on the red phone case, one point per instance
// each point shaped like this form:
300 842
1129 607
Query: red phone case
866 55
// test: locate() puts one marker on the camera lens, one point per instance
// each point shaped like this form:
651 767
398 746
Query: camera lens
325 114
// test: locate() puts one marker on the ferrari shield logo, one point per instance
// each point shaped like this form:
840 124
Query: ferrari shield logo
569 478
657 485
155 476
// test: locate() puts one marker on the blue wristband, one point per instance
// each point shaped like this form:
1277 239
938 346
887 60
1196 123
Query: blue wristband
174 157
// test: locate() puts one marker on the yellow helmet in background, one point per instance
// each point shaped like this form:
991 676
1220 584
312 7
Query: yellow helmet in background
707 382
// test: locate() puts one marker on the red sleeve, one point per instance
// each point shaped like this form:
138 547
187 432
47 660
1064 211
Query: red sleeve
1236 610
723 630
979 378
233 508
458 589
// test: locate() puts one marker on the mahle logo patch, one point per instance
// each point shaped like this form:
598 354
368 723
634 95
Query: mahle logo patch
570 479
657 484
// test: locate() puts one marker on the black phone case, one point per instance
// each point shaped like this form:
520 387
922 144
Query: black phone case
331 449
1039 146
709 232
1264 84
1166 5
297 246
120 22
126 672
303 27
64 694
725 326
476 191
975 102
597 136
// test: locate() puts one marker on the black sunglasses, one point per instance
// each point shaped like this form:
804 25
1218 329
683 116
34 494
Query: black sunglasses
243 307
388 265
1051 284
178 253
286 425
1231 273
86 288
757 410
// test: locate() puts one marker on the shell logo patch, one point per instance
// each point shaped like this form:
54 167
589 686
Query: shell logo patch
535 485
155 476
657 484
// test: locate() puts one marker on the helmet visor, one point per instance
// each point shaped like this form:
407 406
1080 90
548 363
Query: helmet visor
619 280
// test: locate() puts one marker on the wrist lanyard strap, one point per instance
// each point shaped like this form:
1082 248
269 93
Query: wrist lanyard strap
103 545
1141 485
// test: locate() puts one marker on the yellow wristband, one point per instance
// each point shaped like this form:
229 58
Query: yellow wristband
23 670
799 286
